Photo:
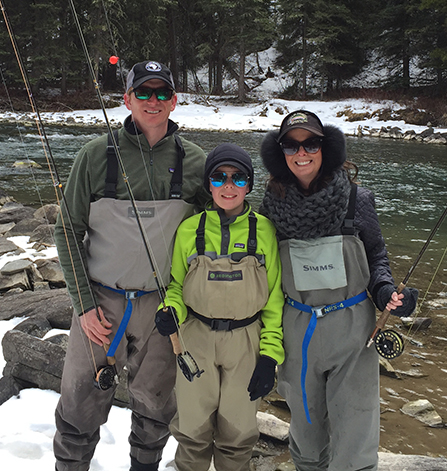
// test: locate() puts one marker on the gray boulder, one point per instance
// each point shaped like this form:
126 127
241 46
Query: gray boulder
15 212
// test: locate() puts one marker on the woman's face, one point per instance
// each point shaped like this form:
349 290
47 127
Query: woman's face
304 166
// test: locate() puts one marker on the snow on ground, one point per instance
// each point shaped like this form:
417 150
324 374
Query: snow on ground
27 429
211 113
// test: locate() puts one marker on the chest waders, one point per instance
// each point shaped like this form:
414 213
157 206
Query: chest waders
227 292
114 240
324 261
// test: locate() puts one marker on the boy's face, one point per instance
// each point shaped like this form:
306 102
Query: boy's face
229 196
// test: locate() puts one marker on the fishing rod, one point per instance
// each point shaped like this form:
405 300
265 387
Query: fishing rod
389 343
105 376
185 360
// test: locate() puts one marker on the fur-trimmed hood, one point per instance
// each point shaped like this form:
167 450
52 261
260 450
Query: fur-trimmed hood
334 153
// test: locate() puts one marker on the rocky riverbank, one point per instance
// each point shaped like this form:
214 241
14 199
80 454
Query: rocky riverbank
412 438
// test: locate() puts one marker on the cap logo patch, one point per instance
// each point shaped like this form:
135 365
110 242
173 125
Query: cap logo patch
298 118
153 67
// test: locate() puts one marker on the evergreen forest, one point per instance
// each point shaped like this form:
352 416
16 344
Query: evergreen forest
328 41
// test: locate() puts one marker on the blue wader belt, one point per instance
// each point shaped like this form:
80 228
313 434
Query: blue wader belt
129 295
316 313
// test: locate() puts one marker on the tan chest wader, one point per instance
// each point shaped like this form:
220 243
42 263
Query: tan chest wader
125 289
215 417
329 377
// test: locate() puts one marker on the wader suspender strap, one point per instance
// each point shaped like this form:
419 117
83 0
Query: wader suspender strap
112 169
200 235
252 242
177 177
348 223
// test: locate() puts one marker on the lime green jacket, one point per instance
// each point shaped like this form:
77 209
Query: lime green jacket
271 315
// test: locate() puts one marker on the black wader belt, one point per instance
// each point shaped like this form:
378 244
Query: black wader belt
224 324
252 242
112 169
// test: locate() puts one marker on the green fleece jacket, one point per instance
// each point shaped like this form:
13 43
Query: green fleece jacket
149 171
271 315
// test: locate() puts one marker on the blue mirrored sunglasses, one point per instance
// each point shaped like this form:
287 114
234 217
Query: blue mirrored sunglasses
162 94
311 145
239 179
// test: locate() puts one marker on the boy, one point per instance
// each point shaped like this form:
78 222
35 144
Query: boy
226 295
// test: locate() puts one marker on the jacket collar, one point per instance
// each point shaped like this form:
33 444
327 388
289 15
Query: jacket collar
132 129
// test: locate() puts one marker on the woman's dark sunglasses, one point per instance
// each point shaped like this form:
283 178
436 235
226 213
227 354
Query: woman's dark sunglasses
218 179
311 146
162 94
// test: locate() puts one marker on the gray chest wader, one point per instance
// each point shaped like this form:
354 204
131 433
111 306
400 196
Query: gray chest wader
116 256
324 275
226 293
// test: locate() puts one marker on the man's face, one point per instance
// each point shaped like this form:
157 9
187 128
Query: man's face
151 113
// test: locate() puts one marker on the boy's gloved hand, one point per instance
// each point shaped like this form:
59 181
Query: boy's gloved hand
408 301
166 321
263 378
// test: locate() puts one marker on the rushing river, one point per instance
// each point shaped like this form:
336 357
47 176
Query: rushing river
409 180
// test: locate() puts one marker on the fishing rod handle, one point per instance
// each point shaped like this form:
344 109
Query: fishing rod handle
383 319
175 343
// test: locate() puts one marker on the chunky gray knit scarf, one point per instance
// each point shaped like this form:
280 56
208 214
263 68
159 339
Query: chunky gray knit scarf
307 217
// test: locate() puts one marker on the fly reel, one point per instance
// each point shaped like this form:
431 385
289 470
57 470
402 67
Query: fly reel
105 378
188 366
389 344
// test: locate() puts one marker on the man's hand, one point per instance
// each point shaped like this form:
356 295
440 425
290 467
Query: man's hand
96 329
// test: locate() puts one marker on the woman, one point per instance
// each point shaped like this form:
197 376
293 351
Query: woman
332 251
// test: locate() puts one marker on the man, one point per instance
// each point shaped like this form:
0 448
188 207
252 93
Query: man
159 176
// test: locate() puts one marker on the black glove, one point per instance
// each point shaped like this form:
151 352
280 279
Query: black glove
408 301
263 378
166 321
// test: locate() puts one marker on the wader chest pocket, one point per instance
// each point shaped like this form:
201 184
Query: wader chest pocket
318 263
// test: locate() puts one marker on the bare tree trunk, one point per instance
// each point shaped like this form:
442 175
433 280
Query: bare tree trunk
173 57
406 65
210 76
218 86
241 82
304 72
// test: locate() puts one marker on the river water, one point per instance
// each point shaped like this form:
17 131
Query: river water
409 180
